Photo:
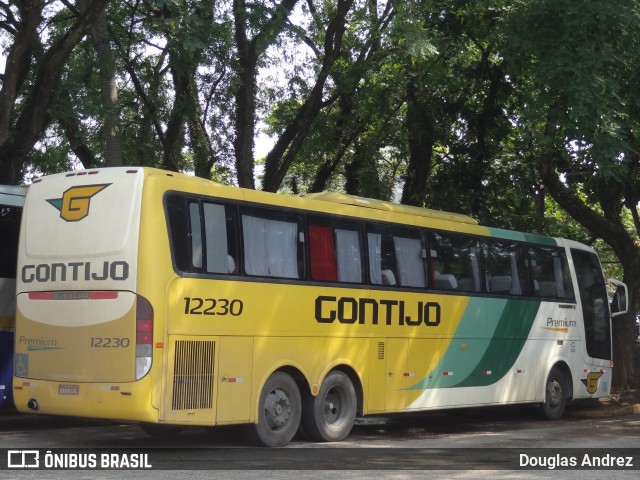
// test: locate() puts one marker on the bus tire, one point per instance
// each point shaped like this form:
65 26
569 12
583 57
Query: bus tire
329 416
555 395
279 411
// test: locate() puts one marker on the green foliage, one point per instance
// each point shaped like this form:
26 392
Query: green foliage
521 113
576 66
489 77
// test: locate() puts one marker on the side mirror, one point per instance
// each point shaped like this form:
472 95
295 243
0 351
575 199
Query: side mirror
619 300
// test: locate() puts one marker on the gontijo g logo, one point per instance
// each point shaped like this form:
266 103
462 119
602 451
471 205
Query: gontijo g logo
74 204
591 382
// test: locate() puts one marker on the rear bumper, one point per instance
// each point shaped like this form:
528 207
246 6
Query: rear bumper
123 401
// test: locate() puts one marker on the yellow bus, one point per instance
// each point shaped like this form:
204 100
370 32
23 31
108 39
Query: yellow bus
11 201
165 299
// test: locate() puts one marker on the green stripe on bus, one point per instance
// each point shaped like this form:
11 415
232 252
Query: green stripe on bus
507 341
522 237
489 338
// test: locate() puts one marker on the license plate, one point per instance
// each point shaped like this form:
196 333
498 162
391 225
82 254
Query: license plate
68 389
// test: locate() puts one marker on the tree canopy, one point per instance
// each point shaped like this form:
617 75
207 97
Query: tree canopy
522 113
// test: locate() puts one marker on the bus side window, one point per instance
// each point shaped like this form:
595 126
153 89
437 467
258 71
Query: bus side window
348 256
455 263
220 238
396 257
593 298
410 257
335 252
178 223
195 228
272 244
322 252
550 273
382 264
9 231
203 236
505 271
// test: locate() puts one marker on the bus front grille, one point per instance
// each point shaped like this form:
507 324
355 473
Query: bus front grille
193 375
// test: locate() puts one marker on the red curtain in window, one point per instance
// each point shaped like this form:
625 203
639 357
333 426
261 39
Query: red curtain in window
323 254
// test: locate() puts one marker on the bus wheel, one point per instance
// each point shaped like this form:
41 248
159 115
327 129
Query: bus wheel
279 411
555 396
329 416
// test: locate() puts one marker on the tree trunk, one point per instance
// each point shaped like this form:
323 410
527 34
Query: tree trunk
18 61
33 119
421 133
249 51
73 132
245 121
625 249
108 93
282 155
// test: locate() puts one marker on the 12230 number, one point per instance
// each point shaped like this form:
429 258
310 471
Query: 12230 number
212 306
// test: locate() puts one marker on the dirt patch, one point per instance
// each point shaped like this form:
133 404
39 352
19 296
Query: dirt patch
620 402
624 398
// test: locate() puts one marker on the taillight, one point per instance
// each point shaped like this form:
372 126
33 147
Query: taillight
144 337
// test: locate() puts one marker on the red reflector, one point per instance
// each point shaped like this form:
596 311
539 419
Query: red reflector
144 338
144 325
103 295
40 296
144 322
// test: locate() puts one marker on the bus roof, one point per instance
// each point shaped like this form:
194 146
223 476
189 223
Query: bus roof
12 195
351 203
345 199
19 190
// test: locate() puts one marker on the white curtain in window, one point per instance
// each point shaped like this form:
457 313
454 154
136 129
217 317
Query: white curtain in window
283 248
270 247
410 262
375 257
348 256
196 235
215 227
255 245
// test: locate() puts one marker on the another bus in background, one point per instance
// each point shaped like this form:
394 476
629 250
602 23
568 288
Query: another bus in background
11 202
